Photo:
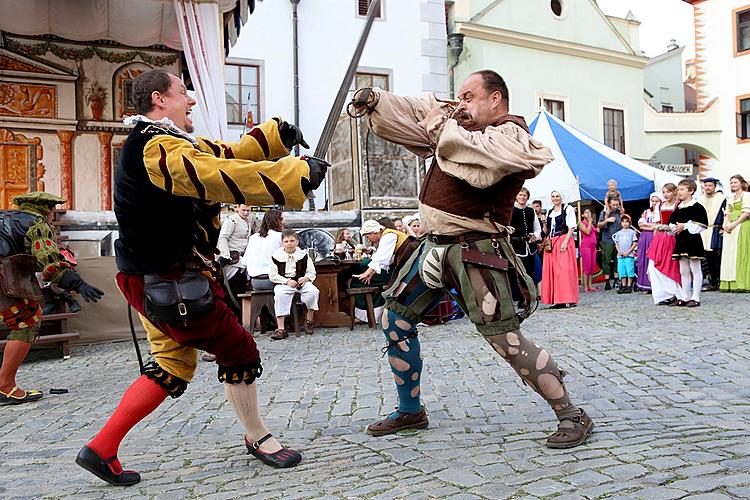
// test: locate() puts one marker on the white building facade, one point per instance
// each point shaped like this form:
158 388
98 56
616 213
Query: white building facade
566 56
722 71
405 53
586 68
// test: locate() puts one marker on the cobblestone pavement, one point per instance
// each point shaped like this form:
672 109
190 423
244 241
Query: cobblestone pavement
668 389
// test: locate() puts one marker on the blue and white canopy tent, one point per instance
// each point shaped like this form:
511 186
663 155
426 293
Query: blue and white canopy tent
582 167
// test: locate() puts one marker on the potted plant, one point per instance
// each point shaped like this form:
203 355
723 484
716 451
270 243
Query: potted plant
96 95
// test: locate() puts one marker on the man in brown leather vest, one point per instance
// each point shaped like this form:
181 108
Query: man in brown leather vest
481 157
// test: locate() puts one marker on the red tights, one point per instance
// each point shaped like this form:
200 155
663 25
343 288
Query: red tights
141 398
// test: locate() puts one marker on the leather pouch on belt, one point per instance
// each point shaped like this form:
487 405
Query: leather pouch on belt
18 277
482 259
177 301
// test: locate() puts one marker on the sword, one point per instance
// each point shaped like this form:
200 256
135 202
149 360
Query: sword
338 104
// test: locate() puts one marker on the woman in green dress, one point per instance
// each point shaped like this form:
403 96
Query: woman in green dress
735 253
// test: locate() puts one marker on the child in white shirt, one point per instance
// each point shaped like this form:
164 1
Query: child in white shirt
292 271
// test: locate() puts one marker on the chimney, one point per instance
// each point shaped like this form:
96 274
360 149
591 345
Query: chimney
672 45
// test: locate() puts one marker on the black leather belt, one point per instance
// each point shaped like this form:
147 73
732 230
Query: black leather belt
469 237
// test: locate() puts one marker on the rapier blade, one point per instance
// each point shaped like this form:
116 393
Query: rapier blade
338 104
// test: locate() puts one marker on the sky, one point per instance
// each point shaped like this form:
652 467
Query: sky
661 20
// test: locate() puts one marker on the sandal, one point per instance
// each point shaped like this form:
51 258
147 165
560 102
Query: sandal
309 327
279 334
28 396
280 459
571 431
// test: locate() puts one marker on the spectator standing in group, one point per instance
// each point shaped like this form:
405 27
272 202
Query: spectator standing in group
735 258
588 232
646 225
609 224
233 238
715 203
526 231
625 241
687 222
560 272
293 271
663 271
398 223
541 215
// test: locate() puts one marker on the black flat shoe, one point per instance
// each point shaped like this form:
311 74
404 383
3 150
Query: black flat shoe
89 460
280 459
668 302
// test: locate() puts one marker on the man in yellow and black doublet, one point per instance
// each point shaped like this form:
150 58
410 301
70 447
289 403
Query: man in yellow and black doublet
167 191
27 246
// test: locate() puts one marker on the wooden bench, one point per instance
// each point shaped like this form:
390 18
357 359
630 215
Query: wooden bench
54 330
368 292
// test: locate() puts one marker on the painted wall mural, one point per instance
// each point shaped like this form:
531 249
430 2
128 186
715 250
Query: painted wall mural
122 85
27 100
21 170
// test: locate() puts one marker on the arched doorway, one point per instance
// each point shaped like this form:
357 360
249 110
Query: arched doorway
21 170
678 157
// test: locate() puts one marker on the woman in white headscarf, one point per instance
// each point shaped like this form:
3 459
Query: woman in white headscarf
646 225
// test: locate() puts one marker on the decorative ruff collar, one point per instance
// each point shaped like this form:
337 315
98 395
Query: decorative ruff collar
163 123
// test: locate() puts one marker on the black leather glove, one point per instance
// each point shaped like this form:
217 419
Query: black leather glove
291 135
71 280
318 169
223 261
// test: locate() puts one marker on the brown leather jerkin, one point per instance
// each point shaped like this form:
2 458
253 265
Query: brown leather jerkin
18 277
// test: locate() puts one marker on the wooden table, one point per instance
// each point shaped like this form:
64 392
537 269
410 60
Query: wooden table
331 280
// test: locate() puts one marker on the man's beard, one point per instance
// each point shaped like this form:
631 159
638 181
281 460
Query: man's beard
189 128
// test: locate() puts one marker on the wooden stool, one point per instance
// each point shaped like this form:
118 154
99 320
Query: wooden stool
253 304
298 309
368 292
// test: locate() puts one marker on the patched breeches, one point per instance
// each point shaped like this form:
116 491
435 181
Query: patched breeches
486 295
534 364
22 317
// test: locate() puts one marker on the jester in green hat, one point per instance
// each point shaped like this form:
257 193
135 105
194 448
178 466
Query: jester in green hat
27 232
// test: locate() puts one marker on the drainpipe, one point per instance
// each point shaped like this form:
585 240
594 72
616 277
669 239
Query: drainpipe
455 47
295 57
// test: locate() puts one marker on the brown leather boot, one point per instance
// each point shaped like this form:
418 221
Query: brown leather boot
571 431
404 421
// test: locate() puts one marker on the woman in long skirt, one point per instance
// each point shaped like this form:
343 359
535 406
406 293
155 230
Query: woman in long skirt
560 272
735 256
646 225
663 271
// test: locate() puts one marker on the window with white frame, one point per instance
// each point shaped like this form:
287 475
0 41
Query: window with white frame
242 86
555 107
614 129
